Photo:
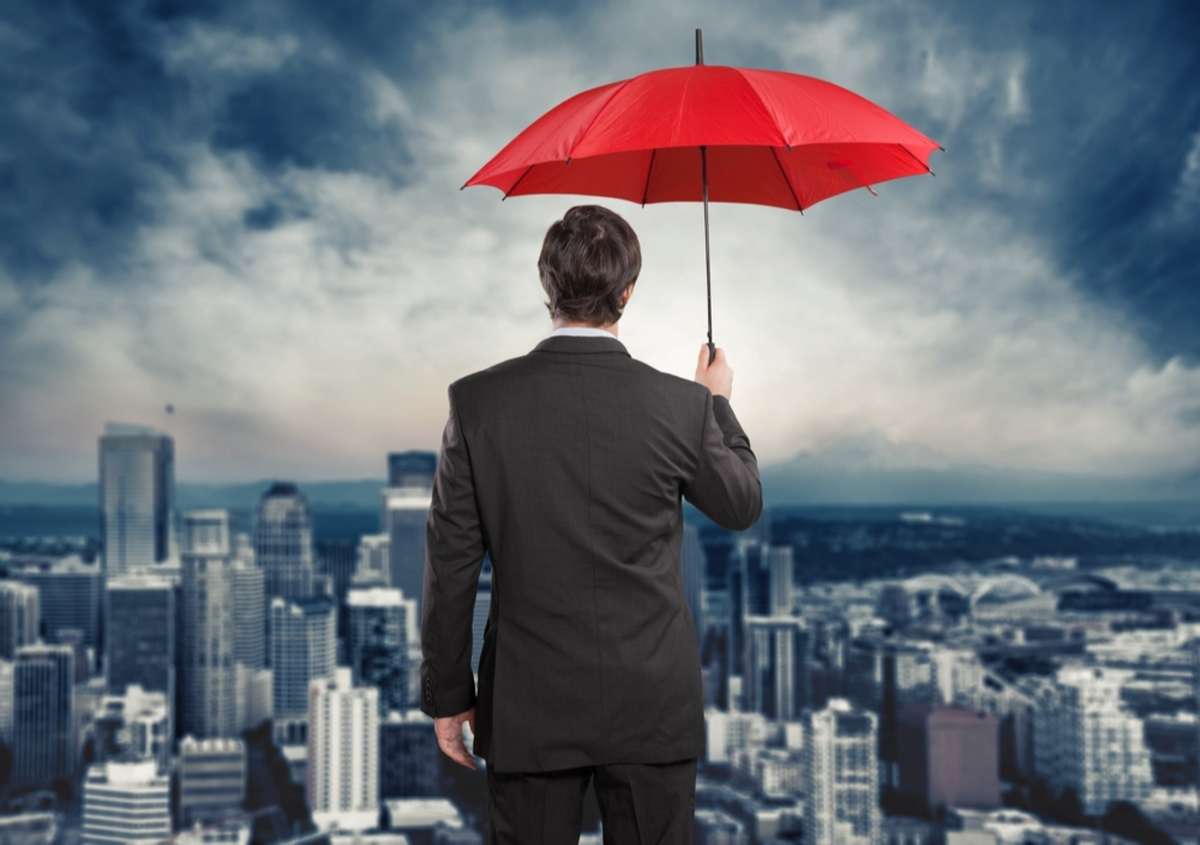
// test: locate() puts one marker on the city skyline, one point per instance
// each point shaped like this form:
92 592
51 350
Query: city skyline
266 234
860 680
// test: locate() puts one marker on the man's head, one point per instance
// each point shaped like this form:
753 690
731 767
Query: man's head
589 259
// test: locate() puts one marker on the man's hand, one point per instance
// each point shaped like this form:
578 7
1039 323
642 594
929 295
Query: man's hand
718 376
450 737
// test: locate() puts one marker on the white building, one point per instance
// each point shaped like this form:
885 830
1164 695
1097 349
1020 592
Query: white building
126 803
1085 741
343 753
841 777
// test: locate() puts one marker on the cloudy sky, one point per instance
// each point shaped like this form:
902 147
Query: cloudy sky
251 211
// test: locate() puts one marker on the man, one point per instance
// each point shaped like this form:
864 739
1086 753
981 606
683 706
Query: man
569 465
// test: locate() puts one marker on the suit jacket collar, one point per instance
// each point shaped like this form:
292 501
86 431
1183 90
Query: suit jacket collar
581 344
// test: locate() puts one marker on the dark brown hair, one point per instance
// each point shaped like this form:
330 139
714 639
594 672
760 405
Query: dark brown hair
588 259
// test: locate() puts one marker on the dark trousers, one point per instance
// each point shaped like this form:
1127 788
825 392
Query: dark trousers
640 804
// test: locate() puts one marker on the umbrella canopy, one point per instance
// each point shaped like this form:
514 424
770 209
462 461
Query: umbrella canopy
710 132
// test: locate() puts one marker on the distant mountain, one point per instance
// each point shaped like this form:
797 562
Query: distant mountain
354 494
856 470
872 470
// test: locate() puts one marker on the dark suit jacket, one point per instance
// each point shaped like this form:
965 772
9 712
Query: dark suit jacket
568 465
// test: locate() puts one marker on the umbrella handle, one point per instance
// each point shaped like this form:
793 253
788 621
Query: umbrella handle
712 352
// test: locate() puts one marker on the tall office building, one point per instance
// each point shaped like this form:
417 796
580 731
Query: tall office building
378 643
283 542
212 779
777 680
909 678
841 783
140 641
343 753
303 649
1085 740
137 496
210 706
43 715
69 595
781 572
19 617
249 610
337 559
405 511
126 803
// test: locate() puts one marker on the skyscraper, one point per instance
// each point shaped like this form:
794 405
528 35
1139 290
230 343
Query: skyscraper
137 496
777 681
405 511
249 609
283 542
378 643
343 753
209 673
43 732
140 640
69 598
19 617
303 649
781 570
841 783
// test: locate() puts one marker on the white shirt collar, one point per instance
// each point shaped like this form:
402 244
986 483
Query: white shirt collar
583 330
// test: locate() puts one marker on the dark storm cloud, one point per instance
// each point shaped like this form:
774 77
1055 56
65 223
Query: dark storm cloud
95 116
1116 110
310 114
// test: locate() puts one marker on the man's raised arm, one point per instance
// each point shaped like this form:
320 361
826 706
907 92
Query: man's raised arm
726 486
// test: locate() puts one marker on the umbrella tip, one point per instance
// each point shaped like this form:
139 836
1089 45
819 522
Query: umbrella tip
940 147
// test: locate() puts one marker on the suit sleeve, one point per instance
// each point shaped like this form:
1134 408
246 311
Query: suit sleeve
726 486
454 551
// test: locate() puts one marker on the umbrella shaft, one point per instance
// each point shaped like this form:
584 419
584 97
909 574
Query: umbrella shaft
712 351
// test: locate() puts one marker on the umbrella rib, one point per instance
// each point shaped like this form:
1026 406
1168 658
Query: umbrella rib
649 170
518 182
917 160
591 122
787 181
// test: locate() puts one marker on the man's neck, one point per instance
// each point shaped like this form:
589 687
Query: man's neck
609 327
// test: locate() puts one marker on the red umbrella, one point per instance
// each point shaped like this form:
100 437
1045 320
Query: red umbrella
710 132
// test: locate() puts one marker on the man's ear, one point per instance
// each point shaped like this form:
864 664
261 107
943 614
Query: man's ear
628 292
